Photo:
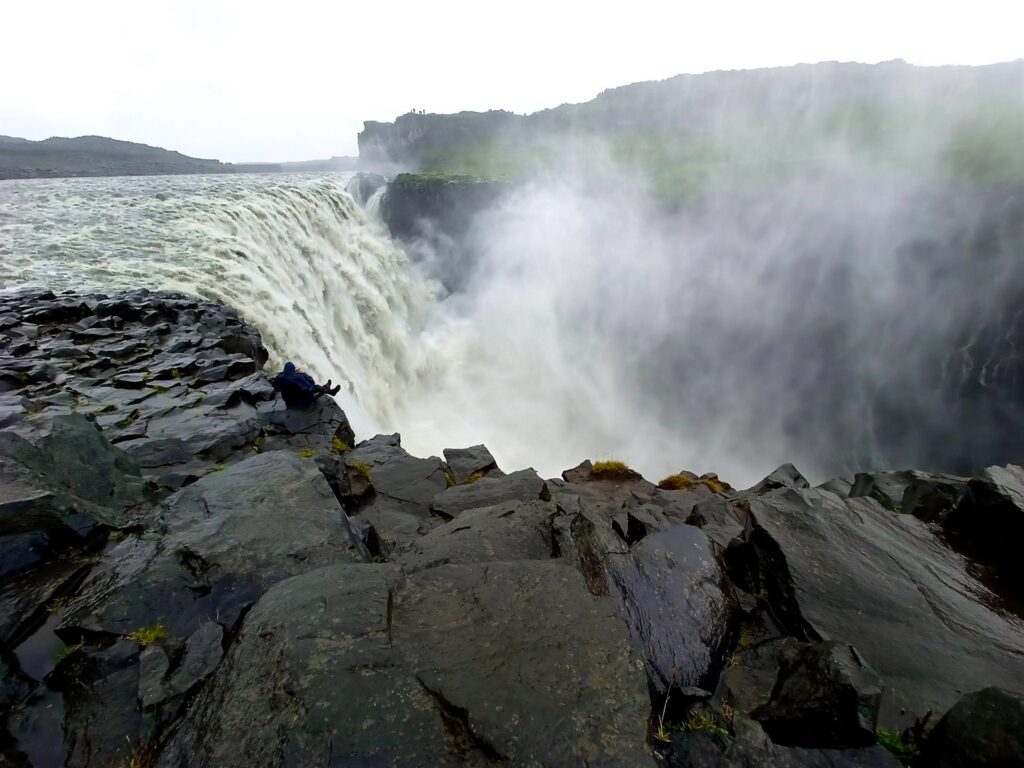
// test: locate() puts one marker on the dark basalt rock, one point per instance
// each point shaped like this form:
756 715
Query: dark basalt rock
425 680
362 186
985 729
158 683
825 696
538 670
434 217
464 463
102 722
749 679
524 485
850 570
331 687
923 495
221 547
511 530
673 594
391 490
989 523
786 476
14 686
751 748
214 562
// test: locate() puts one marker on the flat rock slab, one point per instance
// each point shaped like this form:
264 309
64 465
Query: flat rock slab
331 688
406 478
228 537
539 671
886 584
512 530
466 462
524 485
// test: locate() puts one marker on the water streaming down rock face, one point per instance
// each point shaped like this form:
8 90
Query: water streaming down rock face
296 255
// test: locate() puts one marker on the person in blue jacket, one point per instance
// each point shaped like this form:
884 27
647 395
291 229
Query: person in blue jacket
298 388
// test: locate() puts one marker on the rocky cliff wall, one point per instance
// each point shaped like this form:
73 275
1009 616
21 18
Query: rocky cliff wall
433 216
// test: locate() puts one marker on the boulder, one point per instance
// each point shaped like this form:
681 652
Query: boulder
75 460
158 683
825 696
748 679
924 495
102 723
524 485
751 748
786 476
227 538
985 729
511 530
850 570
465 463
931 497
721 521
675 599
989 523
403 486
14 686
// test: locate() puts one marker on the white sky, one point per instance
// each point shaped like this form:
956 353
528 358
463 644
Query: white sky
294 80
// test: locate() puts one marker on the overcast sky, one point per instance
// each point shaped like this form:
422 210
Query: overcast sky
294 80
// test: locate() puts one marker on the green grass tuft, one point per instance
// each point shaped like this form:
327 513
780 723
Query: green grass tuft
473 478
146 635
904 751
612 470
682 482
361 469
676 483
699 720
339 447
57 604
307 453
130 419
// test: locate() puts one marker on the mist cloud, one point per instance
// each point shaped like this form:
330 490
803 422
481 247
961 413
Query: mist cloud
851 307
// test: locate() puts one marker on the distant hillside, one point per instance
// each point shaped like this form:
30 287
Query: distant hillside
100 156
682 129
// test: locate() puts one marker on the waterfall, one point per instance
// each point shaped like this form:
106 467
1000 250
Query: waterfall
373 204
296 255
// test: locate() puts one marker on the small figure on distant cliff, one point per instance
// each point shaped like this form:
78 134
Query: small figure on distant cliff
298 388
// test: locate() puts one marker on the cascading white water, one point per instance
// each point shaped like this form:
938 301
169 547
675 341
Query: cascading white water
373 204
323 283
766 325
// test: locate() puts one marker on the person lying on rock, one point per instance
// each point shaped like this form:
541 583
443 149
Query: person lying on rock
298 388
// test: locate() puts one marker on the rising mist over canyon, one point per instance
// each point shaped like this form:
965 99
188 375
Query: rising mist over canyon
818 262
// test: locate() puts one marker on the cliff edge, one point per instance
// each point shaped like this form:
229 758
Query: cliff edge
194 575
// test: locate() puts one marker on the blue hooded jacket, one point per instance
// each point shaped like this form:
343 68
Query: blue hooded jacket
297 388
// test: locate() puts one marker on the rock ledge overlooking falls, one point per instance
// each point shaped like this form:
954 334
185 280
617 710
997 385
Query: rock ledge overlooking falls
192 574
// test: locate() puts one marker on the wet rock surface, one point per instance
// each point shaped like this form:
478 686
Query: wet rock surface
192 574
888 584
984 729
